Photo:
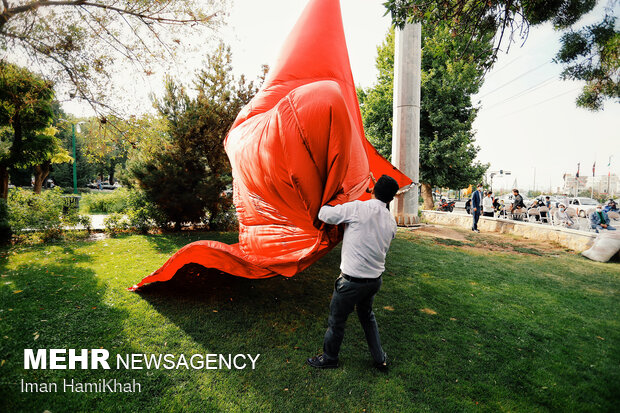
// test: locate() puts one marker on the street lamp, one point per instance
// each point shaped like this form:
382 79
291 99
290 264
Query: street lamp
500 173
73 126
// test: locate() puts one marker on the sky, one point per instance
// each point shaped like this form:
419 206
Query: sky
528 122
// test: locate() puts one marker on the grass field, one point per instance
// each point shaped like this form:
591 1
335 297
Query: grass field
487 323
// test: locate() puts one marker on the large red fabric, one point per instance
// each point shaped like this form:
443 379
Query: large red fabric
297 145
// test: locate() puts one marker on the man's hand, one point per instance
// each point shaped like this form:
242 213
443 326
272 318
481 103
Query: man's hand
340 198
475 209
604 225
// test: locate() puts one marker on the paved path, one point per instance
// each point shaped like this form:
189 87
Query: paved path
96 223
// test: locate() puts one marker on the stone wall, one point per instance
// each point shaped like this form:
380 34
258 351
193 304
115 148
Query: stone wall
575 240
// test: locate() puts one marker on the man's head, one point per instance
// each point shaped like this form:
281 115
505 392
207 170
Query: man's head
385 189
489 193
547 198
480 186
515 191
599 207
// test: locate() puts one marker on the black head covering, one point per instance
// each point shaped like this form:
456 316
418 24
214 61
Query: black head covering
385 188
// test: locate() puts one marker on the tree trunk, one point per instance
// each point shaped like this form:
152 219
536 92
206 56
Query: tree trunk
40 173
4 182
111 172
427 196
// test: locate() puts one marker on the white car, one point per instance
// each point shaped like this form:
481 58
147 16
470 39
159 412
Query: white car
583 206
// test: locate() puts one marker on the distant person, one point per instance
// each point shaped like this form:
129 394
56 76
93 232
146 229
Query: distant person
99 183
517 203
548 202
496 204
562 217
600 220
501 208
611 206
487 205
468 206
476 207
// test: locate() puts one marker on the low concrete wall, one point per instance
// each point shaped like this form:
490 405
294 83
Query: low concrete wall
575 240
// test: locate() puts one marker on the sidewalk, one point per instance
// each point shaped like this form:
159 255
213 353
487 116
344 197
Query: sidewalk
96 223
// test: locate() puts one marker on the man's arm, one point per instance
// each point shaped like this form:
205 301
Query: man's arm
338 214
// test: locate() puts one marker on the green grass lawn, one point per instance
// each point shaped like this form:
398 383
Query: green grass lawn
466 328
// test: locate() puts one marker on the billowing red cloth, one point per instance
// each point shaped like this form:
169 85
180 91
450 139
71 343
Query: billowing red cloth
296 146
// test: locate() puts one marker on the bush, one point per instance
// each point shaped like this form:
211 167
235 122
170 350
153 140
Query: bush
106 203
226 221
115 223
143 214
37 212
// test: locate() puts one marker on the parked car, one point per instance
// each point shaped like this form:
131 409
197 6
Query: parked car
583 206
552 198
509 199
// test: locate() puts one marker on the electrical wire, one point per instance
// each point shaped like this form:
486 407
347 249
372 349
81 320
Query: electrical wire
540 103
516 78
523 92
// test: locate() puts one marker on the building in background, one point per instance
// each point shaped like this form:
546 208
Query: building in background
599 183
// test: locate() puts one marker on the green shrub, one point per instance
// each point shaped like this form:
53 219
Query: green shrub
36 212
115 223
106 202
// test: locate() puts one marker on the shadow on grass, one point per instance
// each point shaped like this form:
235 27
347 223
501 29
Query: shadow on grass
171 242
59 305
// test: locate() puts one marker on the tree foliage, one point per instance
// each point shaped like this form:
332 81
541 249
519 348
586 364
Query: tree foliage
449 78
593 54
26 114
511 19
79 43
188 173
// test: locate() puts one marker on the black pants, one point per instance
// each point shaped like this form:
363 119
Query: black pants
476 215
346 296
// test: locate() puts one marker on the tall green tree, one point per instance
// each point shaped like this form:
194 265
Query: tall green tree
449 78
81 43
186 176
26 114
589 54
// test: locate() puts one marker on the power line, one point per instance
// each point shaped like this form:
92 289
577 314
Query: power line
524 92
516 78
504 67
540 103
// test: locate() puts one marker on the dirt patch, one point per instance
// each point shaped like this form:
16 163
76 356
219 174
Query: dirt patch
440 232
458 237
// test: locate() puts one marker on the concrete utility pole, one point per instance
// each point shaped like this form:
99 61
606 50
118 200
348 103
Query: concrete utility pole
406 120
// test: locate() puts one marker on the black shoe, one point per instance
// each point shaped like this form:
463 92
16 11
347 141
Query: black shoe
322 362
382 366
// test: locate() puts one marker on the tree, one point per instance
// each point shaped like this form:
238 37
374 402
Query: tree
26 112
79 42
188 173
46 149
593 54
510 19
447 151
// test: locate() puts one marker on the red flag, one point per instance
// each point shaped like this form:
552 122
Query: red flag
594 169
577 175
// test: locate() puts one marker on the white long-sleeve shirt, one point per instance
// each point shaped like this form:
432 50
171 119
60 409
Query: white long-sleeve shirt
487 204
367 236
